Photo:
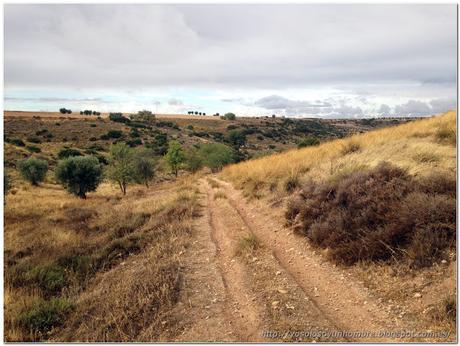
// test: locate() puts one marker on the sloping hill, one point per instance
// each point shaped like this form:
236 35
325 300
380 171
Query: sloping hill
381 206
421 147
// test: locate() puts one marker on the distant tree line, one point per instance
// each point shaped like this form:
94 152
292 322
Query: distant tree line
196 113
65 111
89 112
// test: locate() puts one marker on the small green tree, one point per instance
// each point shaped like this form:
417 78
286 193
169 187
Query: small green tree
229 116
121 165
216 155
236 138
144 166
175 156
79 174
307 142
194 160
33 170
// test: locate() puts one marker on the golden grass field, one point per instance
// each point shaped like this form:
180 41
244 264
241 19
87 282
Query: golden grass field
420 146
91 244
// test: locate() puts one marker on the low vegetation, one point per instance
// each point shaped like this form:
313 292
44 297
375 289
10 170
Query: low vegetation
380 214
64 257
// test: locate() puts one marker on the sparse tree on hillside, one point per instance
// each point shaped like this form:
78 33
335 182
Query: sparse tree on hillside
79 174
229 116
216 155
33 170
194 160
121 165
236 138
144 166
175 156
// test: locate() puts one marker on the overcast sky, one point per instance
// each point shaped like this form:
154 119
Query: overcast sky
296 60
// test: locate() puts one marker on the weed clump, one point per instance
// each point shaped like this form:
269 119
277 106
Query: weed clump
50 278
446 134
350 148
248 244
45 315
378 215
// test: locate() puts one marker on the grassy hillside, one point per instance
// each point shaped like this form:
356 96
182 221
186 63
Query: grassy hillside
64 258
44 134
381 205
420 147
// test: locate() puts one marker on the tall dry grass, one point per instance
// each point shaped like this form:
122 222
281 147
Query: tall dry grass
419 146
65 260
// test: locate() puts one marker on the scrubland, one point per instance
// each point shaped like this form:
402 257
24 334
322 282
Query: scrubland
382 205
101 269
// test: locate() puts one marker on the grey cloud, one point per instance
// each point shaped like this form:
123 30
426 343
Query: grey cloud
52 99
276 102
443 105
384 110
175 102
413 108
175 45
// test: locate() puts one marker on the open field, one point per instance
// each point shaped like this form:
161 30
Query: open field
229 256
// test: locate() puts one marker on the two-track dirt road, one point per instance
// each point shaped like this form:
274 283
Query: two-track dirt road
281 286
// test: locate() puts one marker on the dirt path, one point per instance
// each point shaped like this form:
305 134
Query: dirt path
232 293
346 304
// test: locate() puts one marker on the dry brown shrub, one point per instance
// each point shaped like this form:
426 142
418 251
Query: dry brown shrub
378 214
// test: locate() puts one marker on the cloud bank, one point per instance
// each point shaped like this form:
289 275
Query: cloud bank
403 55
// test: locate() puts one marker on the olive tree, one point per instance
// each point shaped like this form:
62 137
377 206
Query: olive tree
121 165
79 174
33 170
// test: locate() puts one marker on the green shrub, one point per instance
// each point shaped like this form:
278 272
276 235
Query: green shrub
236 138
33 149
68 152
33 170
119 118
216 155
18 142
79 174
175 157
134 142
114 134
194 160
229 116
121 168
144 167
34 139
79 264
50 278
45 315
307 142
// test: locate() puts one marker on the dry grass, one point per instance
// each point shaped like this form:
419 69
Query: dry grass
247 245
63 254
397 145
220 194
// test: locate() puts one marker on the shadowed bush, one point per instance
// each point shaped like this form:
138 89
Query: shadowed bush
378 215
45 315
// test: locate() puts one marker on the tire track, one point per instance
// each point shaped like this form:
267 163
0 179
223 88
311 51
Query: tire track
343 303
240 307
